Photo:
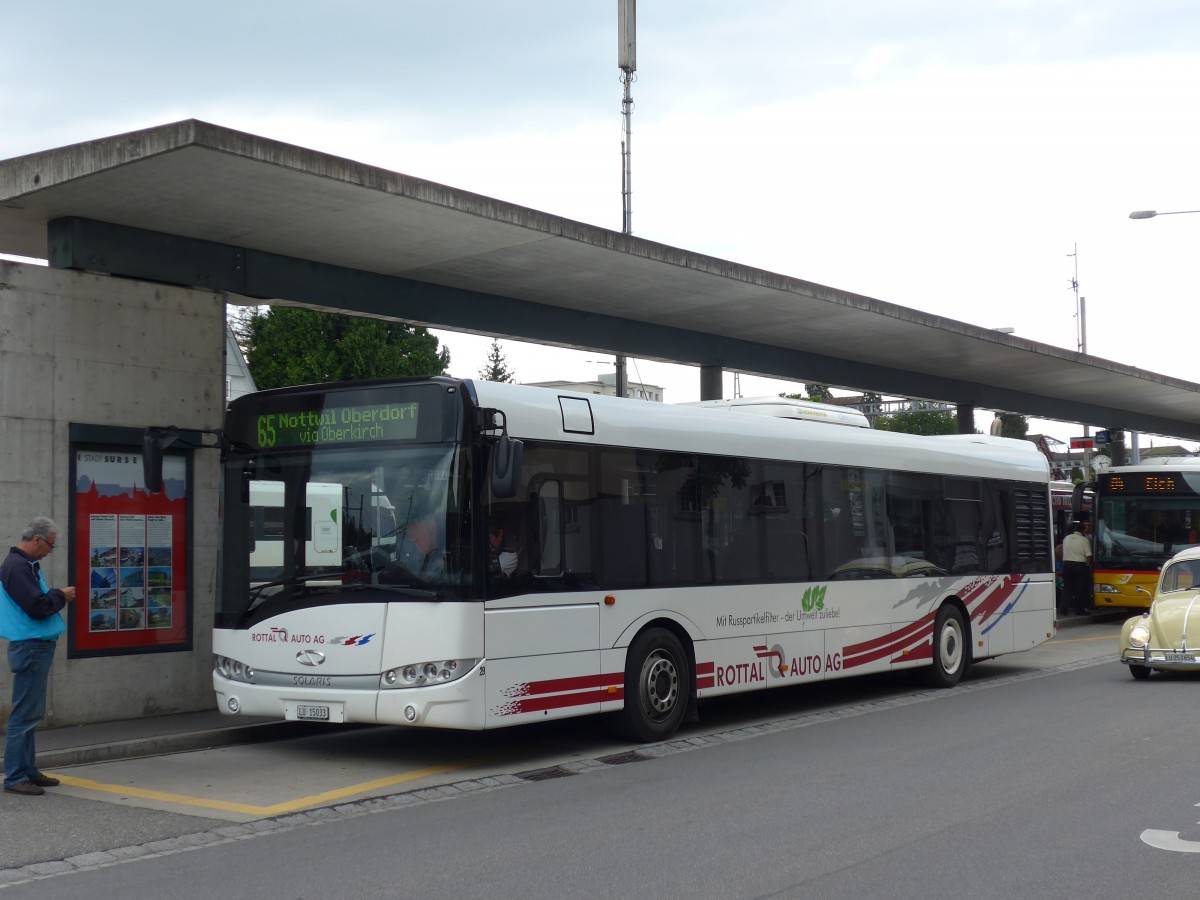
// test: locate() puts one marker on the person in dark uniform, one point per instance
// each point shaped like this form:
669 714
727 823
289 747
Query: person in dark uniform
1077 571
502 558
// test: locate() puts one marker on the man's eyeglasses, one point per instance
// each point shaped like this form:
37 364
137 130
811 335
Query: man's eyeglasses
49 544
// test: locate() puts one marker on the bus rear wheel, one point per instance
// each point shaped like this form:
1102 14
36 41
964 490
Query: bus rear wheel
657 686
951 652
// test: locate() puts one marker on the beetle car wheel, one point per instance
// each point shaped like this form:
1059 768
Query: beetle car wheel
1141 673
951 652
656 686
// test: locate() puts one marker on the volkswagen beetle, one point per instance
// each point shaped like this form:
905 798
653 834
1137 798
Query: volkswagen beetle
1167 635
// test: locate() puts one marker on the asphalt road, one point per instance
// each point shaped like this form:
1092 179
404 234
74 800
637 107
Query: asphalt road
1050 773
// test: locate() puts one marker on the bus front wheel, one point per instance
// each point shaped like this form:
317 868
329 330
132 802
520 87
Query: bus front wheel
951 652
656 686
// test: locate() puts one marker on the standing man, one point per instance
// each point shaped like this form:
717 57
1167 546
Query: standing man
30 620
1077 570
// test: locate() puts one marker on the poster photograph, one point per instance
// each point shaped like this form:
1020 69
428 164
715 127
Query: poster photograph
131 546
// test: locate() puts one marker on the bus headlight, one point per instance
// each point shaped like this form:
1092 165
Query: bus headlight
1107 589
232 669
423 674
1139 635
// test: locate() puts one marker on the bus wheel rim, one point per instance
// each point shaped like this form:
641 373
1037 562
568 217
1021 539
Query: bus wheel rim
950 647
660 682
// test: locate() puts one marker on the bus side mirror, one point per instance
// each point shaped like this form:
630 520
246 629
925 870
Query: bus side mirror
507 456
154 442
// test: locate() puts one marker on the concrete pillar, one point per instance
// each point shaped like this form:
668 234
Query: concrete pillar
1116 446
712 382
90 354
966 419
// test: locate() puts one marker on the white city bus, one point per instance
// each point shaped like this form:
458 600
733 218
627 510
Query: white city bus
790 408
663 555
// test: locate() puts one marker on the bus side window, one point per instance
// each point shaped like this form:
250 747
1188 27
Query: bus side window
549 529
624 543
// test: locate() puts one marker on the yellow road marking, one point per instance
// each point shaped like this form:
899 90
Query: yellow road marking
252 810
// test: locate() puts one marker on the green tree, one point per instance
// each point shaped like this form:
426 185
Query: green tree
919 418
286 345
818 393
238 319
495 367
871 405
1013 425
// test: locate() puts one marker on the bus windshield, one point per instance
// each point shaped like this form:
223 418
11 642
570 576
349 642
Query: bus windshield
329 525
1143 532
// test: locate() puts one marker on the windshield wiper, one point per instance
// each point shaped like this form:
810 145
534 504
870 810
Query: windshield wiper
418 593
295 579
256 595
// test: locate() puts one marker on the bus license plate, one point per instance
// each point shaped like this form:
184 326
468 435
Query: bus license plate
1180 657
313 713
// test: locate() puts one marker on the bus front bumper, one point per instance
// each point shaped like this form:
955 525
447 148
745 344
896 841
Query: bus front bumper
458 704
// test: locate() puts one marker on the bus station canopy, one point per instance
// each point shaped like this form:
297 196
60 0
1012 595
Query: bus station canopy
199 205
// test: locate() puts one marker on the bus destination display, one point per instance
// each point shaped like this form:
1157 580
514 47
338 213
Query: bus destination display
1165 482
338 425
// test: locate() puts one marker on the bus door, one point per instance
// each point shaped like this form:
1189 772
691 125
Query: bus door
542 639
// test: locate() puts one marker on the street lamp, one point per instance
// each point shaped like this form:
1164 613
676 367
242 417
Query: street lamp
1151 213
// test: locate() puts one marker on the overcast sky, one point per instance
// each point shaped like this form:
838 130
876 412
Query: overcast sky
941 155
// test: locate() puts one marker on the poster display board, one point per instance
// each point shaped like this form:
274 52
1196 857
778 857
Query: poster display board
130 555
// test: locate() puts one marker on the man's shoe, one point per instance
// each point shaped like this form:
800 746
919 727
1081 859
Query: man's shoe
45 781
28 788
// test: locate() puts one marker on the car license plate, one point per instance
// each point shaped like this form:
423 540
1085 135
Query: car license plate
313 713
1179 657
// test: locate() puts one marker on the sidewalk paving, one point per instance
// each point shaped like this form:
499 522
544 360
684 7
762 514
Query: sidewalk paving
155 735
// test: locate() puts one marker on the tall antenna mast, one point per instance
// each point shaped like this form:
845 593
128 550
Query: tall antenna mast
1080 304
1081 345
627 63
